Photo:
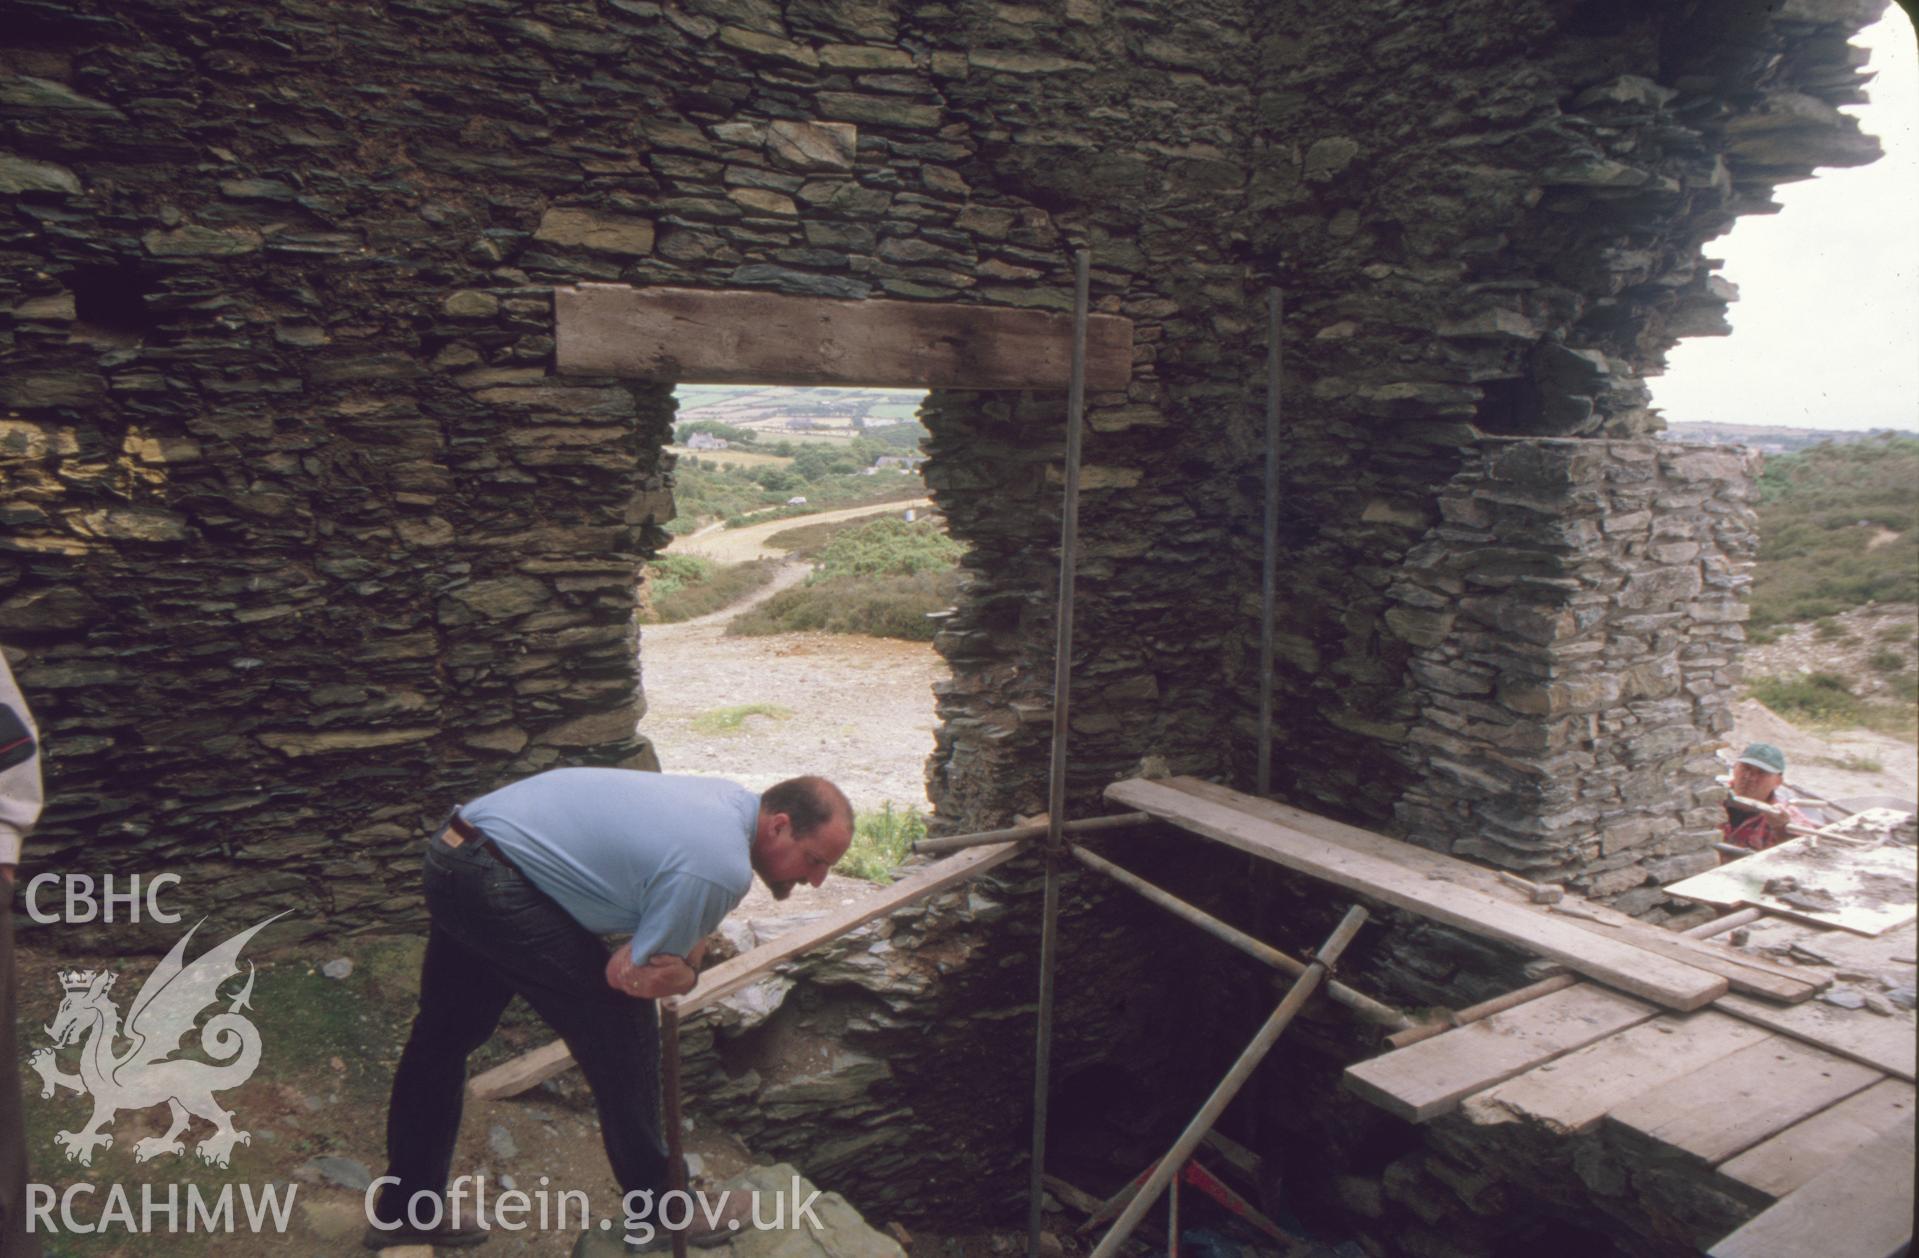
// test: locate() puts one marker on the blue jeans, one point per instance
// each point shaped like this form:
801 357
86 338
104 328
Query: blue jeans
494 935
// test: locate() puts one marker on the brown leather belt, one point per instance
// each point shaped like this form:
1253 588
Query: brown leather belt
460 832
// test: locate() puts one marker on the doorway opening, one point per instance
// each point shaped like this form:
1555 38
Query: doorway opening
788 627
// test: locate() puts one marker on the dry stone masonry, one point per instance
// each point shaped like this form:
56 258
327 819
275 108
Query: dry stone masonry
304 538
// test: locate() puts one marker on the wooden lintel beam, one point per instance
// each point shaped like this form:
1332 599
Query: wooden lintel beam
734 337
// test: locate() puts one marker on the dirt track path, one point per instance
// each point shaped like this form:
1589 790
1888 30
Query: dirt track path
724 545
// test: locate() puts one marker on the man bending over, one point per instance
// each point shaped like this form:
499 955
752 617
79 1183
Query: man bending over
521 884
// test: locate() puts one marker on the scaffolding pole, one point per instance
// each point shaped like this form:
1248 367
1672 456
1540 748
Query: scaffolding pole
986 838
1056 786
1229 1087
1365 1006
1269 559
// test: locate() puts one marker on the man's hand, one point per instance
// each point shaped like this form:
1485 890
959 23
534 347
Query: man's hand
663 975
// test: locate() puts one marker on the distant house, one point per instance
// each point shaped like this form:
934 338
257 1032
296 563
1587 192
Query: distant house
904 462
705 441
796 501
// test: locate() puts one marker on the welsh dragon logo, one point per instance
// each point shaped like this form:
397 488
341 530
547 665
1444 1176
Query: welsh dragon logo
147 1073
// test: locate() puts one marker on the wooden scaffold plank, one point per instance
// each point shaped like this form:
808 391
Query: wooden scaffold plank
1660 979
1429 1078
1743 973
1861 1208
1804 1151
1885 1043
1572 1093
1730 1105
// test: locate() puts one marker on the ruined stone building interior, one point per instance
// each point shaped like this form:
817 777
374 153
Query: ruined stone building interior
340 340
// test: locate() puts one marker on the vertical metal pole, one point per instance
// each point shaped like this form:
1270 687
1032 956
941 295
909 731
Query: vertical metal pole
670 1086
1268 580
1056 787
1257 876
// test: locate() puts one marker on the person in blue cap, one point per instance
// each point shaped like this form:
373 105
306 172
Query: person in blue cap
1759 776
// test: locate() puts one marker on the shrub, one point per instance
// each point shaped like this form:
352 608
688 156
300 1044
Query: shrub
881 840
881 607
889 547
669 574
1886 661
1837 528
687 586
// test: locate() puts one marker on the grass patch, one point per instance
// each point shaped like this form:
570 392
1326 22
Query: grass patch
1886 661
881 840
1825 701
685 586
1823 698
729 720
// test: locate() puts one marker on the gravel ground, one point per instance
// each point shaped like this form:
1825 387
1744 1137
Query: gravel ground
861 713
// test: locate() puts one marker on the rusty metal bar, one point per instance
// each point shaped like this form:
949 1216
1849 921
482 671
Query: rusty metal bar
1229 1087
670 1087
1056 785
1269 559
1360 1003
986 838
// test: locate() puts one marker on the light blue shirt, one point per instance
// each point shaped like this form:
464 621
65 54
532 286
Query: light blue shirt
662 855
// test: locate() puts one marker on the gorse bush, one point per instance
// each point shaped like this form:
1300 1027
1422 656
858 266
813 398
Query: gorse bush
1838 527
882 578
889 548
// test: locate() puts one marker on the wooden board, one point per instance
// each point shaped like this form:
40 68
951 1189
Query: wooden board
723 980
1427 1079
1743 973
1861 1208
1572 1093
735 337
1806 1150
1890 1044
1728 1106
1660 979
1746 974
1872 890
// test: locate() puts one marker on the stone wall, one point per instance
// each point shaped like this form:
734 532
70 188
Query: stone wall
305 541
1500 241
1573 621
